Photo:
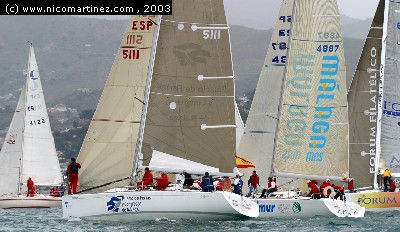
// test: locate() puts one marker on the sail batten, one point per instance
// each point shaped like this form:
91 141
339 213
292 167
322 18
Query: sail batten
257 144
108 150
363 105
39 156
313 127
191 109
388 118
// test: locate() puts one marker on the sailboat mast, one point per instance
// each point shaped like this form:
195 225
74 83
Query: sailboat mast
282 92
380 101
138 150
23 130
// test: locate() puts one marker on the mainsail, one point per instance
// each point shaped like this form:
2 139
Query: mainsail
312 137
39 156
11 152
191 111
257 143
363 105
107 154
389 107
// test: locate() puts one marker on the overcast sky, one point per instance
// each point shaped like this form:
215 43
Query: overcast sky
360 9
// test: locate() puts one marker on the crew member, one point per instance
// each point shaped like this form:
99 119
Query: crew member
188 180
146 180
55 192
31 188
162 182
271 188
207 183
72 172
392 186
237 185
350 185
339 192
325 185
253 182
386 177
314 191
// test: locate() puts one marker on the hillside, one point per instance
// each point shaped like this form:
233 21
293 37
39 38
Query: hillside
75 55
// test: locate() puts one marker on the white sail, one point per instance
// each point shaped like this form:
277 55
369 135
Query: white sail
11 152
389 115
239 126
257 143
39 159
107 153
312 138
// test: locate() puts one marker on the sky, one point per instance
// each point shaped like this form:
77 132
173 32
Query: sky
361 9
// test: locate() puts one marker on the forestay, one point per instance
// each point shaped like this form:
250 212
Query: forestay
390 107
363 105
312 139
39 159
107 153
11 152
258 140
191 111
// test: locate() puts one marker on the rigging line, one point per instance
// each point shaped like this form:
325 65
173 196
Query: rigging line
191 23
104 185
181 95
153 21
317 41
140 100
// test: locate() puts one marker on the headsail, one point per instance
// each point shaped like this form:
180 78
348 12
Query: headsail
363 105
107 153
191 112
11 152
239 126
39 159
312 138
389 133
258 140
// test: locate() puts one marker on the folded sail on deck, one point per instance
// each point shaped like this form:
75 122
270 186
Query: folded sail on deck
11 152
313 127
107 153
363 105
193 85
258 140
39 159
390 120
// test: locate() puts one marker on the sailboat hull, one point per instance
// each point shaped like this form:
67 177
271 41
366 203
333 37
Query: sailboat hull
374 200
306 207
150 205
21 202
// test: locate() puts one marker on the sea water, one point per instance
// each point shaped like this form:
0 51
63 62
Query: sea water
50 220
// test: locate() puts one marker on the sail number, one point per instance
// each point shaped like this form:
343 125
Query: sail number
327 48
328 35
211 34
279 60
32 108
284 32
280 46
132 54
134 39
37 122
286 18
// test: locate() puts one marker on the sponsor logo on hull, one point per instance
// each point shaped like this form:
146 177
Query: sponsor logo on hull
378 199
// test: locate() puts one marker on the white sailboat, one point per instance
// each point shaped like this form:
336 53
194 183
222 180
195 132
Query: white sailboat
29 149
374 116
297 126
177 99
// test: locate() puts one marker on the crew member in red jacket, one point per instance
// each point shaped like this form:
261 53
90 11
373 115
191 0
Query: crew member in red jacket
31 188
350 185
314 192
162 182
392 186
72 172
324 185
146 180
339 192
253 182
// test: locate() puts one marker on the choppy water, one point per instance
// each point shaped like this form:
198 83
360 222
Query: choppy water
50 220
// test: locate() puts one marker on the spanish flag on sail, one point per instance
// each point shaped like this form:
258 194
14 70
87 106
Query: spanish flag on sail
242 163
